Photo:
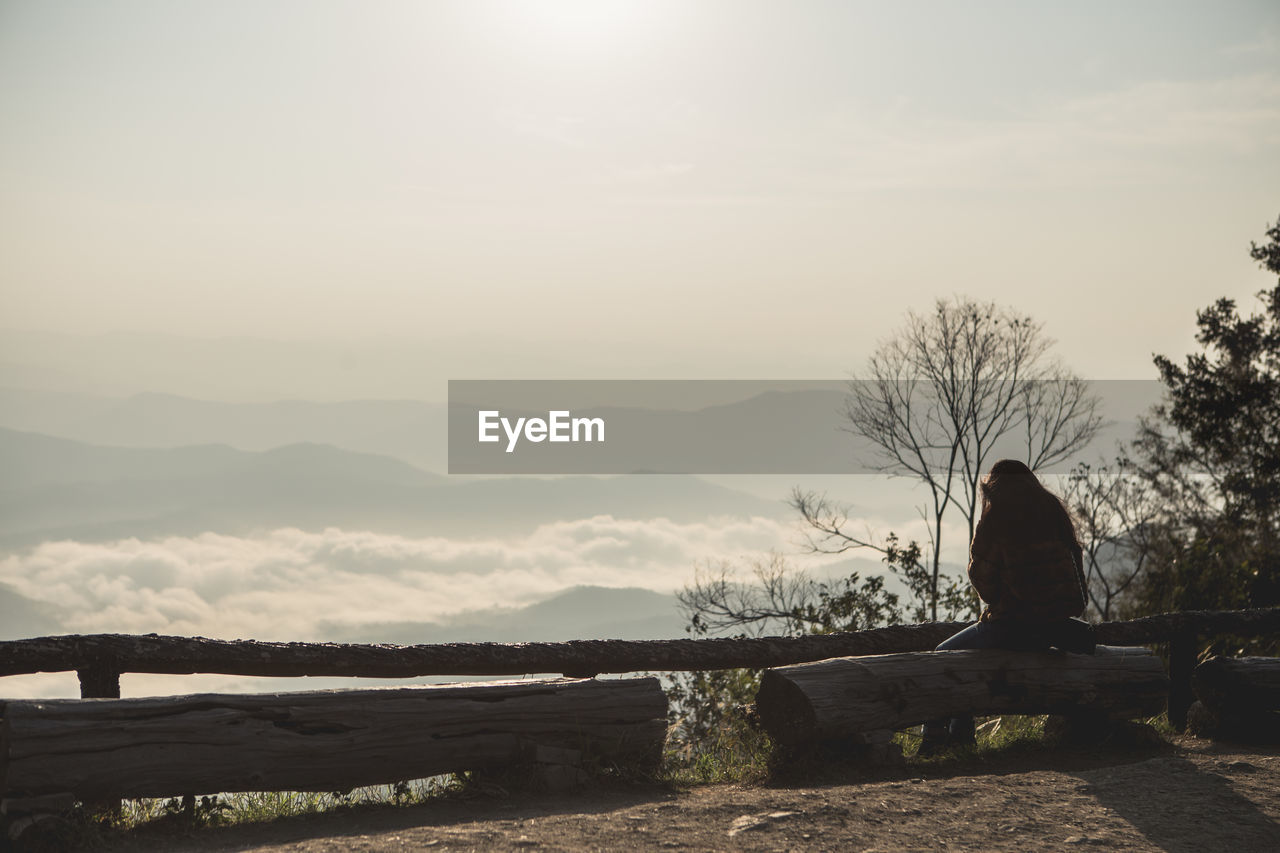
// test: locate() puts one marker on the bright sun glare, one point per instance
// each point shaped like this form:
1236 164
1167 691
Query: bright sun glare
577 21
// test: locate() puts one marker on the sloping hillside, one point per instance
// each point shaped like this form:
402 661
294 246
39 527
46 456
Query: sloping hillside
60 489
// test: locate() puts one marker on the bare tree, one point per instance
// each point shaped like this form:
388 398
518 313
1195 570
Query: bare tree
782 600
718 600
936 401
828 533
1116 513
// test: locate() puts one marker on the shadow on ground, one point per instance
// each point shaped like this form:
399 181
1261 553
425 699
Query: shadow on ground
829 768
1176 790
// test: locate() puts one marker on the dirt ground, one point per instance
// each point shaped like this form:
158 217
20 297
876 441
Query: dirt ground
1190 796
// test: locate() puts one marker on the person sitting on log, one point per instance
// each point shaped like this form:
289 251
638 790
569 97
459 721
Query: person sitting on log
1026 565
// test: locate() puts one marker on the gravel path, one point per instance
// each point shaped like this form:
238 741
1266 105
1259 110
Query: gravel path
1191 796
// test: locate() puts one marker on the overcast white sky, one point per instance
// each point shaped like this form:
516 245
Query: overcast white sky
258 199
596 188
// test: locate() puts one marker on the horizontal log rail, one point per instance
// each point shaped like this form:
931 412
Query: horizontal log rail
330 740
101 657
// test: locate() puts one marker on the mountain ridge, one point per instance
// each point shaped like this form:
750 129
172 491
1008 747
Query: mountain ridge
61 489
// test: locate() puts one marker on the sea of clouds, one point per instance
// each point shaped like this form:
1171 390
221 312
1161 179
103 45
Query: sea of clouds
291 584
284 584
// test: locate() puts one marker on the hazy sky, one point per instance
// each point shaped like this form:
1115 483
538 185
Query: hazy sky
595 188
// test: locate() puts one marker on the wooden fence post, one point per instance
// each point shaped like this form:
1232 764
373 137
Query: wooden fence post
1183 648
100 681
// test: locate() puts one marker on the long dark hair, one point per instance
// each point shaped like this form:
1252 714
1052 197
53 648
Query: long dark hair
1020 508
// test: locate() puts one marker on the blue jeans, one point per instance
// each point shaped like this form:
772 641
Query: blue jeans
1069 635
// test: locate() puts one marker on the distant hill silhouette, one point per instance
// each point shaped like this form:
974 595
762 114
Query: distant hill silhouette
33 460
21 617
56 488
581 612
783 431
410 430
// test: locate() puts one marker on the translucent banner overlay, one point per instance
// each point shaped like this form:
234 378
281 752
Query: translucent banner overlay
780 426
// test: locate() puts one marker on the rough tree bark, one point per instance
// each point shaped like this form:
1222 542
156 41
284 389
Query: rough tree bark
177 655
846 696
124 653
1249 682
318 741
1239 698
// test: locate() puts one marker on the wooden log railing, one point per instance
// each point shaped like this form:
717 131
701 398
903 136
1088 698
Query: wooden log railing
1250 682
844 697
1239 699
99 659
99 656
151 653
330 740
100 750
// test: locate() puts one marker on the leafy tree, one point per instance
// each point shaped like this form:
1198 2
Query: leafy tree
1212 454
709 728
710 733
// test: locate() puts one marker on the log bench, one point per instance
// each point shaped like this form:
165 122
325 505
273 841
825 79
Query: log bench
331 740
864 700
1236 699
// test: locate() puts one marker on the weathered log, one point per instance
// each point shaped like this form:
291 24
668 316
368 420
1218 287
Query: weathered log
1164 627
98 682
836 698
1228 685
1239 699
178 655
318 741
44 804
